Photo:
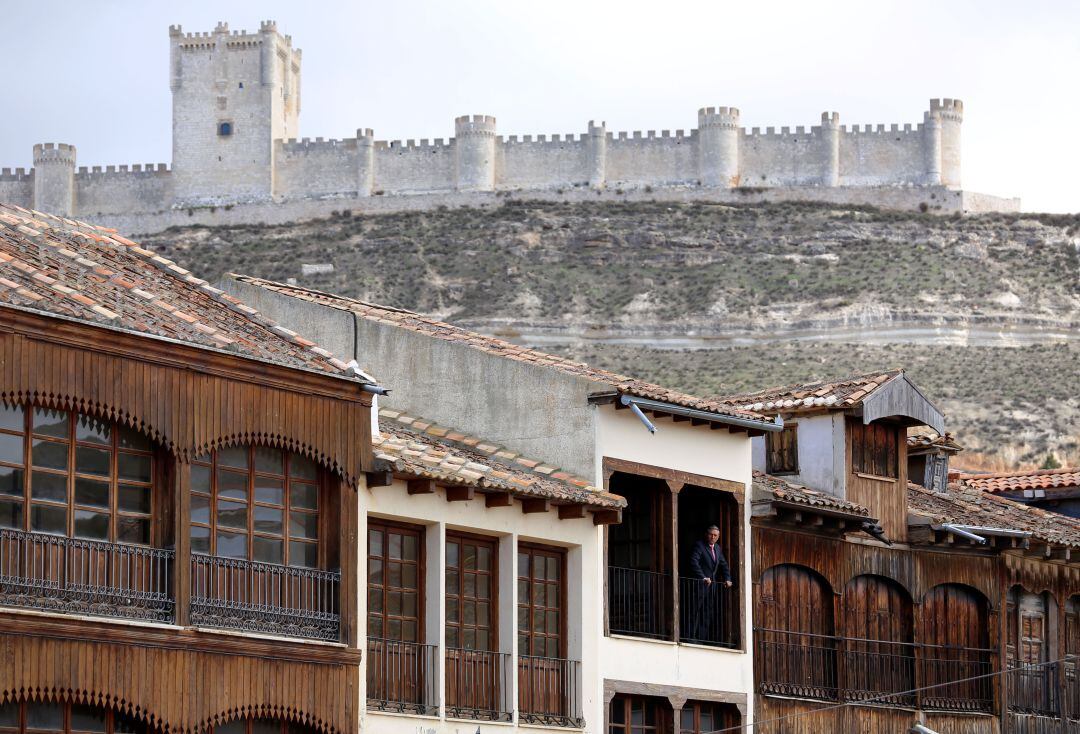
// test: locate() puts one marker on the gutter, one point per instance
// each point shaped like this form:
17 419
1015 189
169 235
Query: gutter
975 533
636 404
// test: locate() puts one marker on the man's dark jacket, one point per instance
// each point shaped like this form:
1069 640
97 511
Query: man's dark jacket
703 565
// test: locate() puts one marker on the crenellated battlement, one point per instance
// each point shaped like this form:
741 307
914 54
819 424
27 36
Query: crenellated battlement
293 146
139 169
948 109
880 129
46 153
474 125
16 174
719 117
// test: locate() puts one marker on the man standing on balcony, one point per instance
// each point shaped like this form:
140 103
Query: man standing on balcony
708 564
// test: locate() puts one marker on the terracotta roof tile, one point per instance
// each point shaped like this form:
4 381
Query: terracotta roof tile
422 454
492 345
68 268
771 488
1020 481
843 393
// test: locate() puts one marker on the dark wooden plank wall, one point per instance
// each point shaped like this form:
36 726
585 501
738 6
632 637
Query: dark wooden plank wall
191 411
788 716
885 498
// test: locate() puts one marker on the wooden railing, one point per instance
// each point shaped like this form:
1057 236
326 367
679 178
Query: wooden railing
639 603
478 685
831 668
93 577
401 676
549 691
264 597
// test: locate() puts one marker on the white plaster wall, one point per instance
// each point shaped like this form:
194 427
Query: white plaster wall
822 462
315 168
696 449
410 167
125 190
561 161
650 160
873 158
584 588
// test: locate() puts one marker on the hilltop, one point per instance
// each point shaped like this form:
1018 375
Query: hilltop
1008 286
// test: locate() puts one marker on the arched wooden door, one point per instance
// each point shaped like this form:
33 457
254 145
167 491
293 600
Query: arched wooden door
955 637
795 634
878 661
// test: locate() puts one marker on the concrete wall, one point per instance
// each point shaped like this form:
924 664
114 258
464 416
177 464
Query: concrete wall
537 411
822 461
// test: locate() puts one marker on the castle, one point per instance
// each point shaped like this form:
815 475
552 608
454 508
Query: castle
236 157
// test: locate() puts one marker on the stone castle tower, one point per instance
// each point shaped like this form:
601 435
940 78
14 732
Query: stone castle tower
234 94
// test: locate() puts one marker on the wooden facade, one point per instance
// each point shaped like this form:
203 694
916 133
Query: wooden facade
170 672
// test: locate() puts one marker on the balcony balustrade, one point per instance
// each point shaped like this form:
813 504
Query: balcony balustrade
478 685
708 613
639 603
56 573
548 691
401 676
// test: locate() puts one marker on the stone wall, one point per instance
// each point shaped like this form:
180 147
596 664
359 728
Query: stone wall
17 187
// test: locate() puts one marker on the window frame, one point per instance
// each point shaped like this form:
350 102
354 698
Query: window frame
31 437
226 128
109 727
792 430
493 597
878 436
213 497
533 550
694 709
665 717
419 532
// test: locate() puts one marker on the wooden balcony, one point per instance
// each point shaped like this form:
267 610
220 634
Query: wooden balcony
478 685
56 573
548 691
401 676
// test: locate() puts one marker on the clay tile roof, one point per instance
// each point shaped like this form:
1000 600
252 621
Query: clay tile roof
428 452
966 505
1020 481
844 393
492 345
63 267
924 442
768 488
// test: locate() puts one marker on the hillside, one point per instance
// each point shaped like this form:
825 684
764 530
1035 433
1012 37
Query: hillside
737 283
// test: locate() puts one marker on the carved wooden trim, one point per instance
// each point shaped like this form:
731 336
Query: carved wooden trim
611 465
634 688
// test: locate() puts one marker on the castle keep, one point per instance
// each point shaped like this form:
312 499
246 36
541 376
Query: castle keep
237 158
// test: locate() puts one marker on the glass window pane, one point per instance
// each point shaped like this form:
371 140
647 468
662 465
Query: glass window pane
409 604
48 519
135 467
375 571
374 628
468 556
268 550
393 603
91 492
91 525
453 638
134 530
200 539
553 570
394 551
483 559
523 564
11 514
129 438
236 726
409 548
135 498
410 631
235 456
301 467
51 422
305 555
408 576
11 481
45 486
304 525
9 712
11 417
232 515
200 478
45 716
49 454
269 460
269 520
200 508
538 568
92 430
452 610
92 460
270 491
87 718
265 726
375 538
11 448
232 484
375 600
452 554
231 545
303 496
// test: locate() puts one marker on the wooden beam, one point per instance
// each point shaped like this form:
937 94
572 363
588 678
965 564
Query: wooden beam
571 512
736 429
379 478
607 517
459 494
536 504
498 499
421 486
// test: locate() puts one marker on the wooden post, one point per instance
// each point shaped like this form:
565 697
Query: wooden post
677 701
838 629
348 550
917 654
676 625
181 499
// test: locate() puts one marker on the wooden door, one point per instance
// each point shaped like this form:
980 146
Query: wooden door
795 636
475 676
546 680
956 641
878 654
397 664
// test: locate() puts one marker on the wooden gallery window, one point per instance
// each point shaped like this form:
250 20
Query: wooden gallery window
541 601
874 449
256 503
703 717
471 593
64 718
260 726
639 715
65 473
782 451
395 595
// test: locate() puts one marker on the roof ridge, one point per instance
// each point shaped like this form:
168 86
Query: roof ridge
803 386
967 475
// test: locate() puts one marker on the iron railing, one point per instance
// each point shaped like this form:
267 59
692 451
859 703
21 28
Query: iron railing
401 676
264 597
548 691
639 603
478 685
1034 689
707 613
830 668
93 577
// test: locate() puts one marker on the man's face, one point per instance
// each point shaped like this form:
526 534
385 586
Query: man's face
713 536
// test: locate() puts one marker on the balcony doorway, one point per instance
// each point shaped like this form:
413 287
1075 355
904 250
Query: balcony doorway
708 613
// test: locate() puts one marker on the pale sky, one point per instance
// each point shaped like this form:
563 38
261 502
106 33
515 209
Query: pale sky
95 72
